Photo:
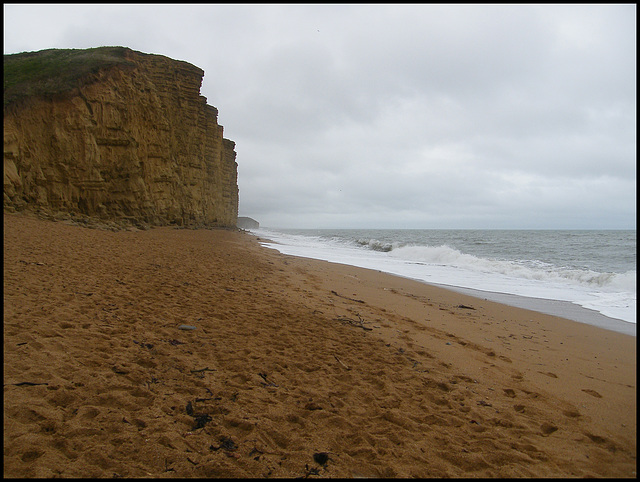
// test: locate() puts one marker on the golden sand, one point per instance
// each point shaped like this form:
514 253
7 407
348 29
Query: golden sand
295 368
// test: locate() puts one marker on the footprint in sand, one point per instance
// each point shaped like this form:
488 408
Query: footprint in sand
593 393
548 428
573 413
596 438
509 392
31 455
549 374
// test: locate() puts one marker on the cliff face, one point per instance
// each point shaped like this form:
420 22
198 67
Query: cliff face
132 141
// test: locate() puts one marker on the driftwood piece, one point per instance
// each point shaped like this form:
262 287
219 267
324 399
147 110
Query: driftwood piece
341 363
267 383
358 324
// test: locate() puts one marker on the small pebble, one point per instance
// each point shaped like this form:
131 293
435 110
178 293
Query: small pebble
186 327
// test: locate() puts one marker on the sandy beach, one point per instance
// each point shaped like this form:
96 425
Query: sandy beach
199 353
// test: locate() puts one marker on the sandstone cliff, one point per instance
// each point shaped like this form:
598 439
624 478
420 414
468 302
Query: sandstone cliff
129 139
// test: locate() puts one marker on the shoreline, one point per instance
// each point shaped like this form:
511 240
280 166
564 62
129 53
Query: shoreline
296 367
560 308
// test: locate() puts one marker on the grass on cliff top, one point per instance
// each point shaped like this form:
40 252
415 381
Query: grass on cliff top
53 72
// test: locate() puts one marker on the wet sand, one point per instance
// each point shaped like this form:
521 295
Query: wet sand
563 309
295 368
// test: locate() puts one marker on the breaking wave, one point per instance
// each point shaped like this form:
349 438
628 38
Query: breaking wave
375 245
524 269
590 269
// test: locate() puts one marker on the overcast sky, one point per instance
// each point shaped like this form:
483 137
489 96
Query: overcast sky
398 116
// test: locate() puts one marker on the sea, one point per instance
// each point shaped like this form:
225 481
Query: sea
587 276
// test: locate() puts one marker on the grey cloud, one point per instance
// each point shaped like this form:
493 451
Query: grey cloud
399 115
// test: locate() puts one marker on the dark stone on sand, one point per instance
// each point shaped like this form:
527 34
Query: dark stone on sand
321 458
201 420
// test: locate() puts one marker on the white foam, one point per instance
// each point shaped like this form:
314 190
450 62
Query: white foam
613 295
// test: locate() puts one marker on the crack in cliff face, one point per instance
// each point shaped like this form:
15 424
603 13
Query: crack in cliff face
135 142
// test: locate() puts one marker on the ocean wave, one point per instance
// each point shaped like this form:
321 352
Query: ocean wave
625 281
375 245
524 269
571 278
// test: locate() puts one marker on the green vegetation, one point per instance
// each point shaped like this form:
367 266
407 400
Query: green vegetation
54 72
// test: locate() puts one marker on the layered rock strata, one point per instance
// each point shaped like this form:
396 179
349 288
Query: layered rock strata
133 141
